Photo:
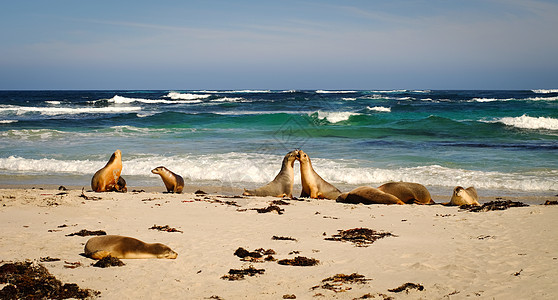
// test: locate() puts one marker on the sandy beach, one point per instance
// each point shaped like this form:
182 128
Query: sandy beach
447 253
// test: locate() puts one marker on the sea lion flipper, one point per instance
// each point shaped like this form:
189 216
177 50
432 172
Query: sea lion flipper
99 254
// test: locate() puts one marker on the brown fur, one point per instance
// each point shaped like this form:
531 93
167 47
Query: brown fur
368 195
282 184
108 178
463 196
313 185
125 247
408 192
173 182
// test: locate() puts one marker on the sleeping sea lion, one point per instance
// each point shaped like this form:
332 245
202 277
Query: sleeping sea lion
368 195
282 185
313 185
463 196
173 182
106 179
125 247
408 192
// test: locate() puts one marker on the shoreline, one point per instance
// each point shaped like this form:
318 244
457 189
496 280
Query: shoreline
451 253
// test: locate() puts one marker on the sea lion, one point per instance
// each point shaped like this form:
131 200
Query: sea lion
463 196
313 185
282 185
120 186
368 195
173 182
408 192
125 247
107 178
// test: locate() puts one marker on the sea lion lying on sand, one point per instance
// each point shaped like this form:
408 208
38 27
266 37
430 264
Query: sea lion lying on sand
108 178
368 195
408 192
313 185
125 247
282 185
463 196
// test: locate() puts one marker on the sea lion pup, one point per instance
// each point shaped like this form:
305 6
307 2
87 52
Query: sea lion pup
120 186
313 185
173 182
408 192
282 185
125 247
106 178
463 196
368 195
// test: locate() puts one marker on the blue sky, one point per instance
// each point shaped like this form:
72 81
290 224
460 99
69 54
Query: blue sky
429 44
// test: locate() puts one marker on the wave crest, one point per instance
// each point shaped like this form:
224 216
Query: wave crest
527 122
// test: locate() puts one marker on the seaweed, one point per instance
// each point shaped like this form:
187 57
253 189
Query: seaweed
94 198
299 261
255 256
283 238
493 205
270 208
239 274
360 237
406 287
108 261
166 228
549 202
48 259
27 281
85 232
337 282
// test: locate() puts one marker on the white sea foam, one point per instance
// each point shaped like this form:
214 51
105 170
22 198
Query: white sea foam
334 92
241 170
8 121
545 91
349 99
53 102
514 99
235 91
379 108
528 122
335 116
389 91
230 99
66 110
188 96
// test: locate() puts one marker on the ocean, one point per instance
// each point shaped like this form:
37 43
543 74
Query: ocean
501 142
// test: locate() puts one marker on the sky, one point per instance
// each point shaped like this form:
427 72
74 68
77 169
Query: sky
278 45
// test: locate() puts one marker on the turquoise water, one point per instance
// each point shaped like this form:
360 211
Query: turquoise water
498 141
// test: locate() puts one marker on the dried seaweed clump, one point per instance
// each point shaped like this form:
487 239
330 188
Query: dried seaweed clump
406 287
239 274
361 237
550 202
108 261
270 208
27 281
85 232
337 283
166 228
493 205
283 238
299 261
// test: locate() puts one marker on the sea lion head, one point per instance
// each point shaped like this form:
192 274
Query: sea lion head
291 157
158 170
163 251
302 157
458 191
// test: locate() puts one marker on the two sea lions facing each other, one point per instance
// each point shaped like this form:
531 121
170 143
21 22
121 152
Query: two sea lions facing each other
125 247
108 178
282 184
173 182
462 196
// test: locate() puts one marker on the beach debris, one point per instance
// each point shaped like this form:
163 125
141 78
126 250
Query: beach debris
239 274
270 208
166 228
85 232
94 198
360 237
255 256
200 192
406 287
138 191
62 188
72 265
283 238
299 261
289 296
108 261
518 273
493 205
549 202
338 282
280 202
48 259
24 280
